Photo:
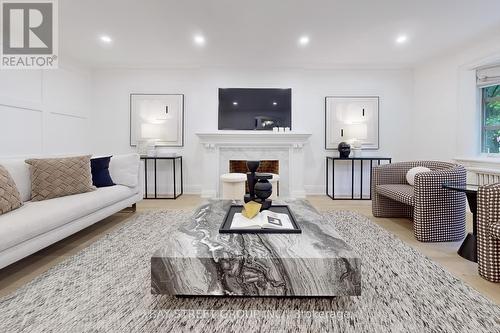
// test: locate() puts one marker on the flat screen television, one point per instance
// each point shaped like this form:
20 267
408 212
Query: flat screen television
254 108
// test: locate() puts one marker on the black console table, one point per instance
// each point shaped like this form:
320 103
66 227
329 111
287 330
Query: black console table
174 160
352 159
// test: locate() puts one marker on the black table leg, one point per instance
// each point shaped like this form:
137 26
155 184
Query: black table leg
332 196
156 194
333 179
175 189
145 179
326 165
361 183
370 184
352 179
468 249
182 181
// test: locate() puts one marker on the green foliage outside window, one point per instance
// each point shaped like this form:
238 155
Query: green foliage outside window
491 119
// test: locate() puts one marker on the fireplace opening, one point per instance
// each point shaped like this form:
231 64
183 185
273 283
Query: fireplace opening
266 166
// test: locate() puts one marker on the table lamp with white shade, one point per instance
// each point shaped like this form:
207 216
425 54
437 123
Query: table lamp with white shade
356 132
151 133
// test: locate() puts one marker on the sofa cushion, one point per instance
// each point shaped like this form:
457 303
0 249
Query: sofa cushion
100 171
10 198
399 192
495 230
58 177
124 169
36 218
20 172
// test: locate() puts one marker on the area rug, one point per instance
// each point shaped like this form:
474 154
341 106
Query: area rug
106 288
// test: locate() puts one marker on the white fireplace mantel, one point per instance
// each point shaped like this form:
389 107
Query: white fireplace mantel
260 138
222 146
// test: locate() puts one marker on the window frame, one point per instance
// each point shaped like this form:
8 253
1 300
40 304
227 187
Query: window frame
484 128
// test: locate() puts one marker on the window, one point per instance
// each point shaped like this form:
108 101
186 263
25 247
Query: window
488 82
490 134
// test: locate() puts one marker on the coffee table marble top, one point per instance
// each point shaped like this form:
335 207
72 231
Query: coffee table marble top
197 260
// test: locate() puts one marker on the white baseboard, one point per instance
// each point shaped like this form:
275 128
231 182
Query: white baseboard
314 189
298 194
208 194
192 189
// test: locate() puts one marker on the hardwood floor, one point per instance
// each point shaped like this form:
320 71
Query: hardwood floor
17 274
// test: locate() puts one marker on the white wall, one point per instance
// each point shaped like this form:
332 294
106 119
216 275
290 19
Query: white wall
428 113
44 112
110 109
446 119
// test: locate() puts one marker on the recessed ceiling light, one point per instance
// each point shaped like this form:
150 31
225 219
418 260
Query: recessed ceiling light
303 40
401 39
106 39
275 103
199 40
235 103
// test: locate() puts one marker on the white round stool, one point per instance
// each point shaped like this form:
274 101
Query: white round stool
233 186
275 183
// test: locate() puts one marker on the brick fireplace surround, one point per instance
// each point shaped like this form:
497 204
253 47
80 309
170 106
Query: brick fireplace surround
266 166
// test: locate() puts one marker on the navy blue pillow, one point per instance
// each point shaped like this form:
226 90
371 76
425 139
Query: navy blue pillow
100 172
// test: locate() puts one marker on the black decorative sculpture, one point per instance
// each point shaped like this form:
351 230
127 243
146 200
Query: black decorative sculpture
344 150
259 187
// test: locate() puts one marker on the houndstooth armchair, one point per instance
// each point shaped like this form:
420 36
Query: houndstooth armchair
488 231
438 214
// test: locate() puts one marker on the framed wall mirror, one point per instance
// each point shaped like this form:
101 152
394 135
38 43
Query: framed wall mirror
352 119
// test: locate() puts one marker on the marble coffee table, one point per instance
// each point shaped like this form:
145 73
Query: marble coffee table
198 261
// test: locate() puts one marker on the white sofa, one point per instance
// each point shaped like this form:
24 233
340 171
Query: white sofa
36 225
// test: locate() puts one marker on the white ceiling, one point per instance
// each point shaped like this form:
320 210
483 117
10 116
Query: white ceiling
159 33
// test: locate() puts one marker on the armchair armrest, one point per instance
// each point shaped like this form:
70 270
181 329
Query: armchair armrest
488 232
488 205
429 191
435 179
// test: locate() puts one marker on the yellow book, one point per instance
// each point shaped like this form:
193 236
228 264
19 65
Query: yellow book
251 209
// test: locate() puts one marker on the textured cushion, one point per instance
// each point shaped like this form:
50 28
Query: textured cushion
100 171
58 177
20 172
410 175
10 198
124 169
399 192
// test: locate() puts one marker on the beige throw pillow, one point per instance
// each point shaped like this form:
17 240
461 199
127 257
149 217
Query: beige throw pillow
10 198
59 177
